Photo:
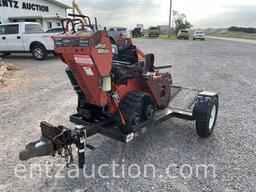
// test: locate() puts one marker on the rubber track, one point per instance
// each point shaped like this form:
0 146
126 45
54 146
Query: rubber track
132 103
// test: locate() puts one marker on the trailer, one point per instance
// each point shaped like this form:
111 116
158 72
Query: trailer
182 105
185 103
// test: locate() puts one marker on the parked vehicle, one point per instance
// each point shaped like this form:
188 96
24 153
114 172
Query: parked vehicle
153 32
138 32
55 30
183 34
115 32
25 37
199 35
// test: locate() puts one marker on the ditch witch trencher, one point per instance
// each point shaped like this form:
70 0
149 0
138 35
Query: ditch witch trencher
121 93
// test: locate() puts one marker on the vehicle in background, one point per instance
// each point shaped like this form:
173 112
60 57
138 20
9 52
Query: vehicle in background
25 37
199 35
60 29
114 33
154 32
55 30
138 32
183 34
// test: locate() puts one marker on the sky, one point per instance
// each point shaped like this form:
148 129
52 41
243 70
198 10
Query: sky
201 13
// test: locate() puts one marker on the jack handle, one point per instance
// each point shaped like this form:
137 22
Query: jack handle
162 67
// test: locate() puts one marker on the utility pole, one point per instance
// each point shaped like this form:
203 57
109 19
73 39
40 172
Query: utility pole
170 20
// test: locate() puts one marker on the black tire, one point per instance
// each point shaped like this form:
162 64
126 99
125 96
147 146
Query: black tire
39 52
206 112
149 108
149 112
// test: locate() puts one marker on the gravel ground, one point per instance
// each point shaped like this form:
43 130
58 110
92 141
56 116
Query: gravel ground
234 39
42 92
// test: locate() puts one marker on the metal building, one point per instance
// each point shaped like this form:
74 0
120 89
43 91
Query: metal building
46 12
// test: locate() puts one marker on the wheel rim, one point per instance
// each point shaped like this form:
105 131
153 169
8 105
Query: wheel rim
38 53
212 117
150 112
136 120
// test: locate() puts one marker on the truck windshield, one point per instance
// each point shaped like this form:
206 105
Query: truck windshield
121 29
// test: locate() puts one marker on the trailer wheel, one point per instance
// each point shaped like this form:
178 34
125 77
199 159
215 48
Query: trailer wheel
206 112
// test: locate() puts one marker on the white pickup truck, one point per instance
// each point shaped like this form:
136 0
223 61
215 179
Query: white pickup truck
115 32
26 37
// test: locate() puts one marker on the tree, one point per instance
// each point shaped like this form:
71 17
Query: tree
180 21
242 29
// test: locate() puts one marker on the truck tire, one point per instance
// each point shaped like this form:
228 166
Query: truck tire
206 112
39 52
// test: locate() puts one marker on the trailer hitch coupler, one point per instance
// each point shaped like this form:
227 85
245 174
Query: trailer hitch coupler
43 147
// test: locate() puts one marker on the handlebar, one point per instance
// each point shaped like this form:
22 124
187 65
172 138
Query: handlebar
82 16
81 20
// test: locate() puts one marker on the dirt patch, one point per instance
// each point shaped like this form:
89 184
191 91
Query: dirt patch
8 76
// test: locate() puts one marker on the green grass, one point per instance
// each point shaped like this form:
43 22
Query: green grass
228 34
172 37
237 36
209 32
